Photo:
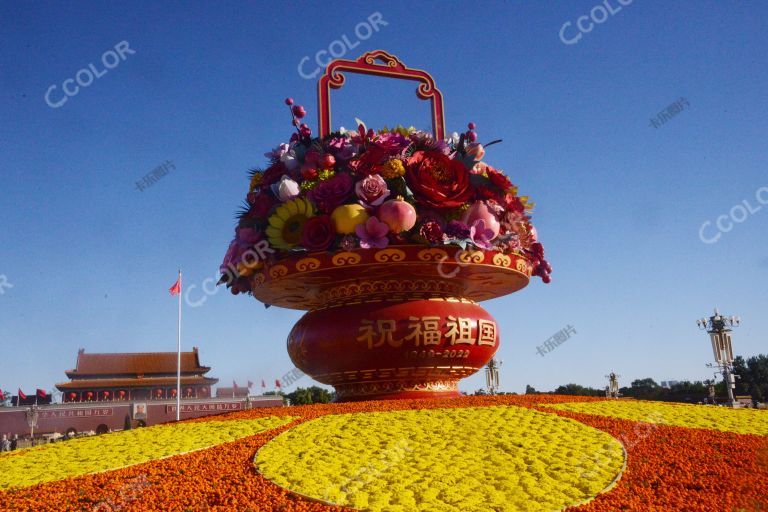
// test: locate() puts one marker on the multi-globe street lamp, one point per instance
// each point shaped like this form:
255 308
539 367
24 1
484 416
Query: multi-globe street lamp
719 329
32 414
612 389
492 375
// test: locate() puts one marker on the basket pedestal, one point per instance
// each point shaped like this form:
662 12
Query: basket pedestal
401 322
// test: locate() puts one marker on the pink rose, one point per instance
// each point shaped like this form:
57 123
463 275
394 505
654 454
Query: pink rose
372 190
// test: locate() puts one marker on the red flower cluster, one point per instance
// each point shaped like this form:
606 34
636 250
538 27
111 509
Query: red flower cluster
437 181
357 176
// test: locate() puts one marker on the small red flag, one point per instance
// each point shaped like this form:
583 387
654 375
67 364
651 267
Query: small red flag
41 393
250 384
22 396
2 396
176 288
263 384
234 384
277 383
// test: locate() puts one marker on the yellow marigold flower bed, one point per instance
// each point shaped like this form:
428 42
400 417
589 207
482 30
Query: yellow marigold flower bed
85 455
741 421
467 459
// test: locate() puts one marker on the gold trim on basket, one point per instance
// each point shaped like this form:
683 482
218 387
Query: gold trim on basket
346 258
388 255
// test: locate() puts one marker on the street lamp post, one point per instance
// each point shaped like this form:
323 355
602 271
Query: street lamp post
710 390
719 329
492 375
32 414
612 389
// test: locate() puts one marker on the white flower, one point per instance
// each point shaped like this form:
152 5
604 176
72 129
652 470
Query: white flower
278 152
285 189
286 154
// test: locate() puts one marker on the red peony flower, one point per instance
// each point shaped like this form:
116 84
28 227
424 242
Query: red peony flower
513 203
329 194
381 149
260 206
273 174
436 180
487 193
318 233
498 178
369 162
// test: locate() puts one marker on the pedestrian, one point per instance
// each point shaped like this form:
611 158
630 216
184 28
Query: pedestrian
5 444
15 442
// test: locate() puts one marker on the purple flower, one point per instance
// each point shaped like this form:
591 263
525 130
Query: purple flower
248 236
481 236
373 233
372 190
424 140
284 153
230 257
233 257
342 148
392 143
457 229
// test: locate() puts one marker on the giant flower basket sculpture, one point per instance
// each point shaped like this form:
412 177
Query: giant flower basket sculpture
389 239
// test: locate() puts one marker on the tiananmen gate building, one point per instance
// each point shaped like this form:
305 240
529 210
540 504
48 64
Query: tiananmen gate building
135 376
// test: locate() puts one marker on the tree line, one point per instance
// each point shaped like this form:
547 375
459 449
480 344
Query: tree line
752 380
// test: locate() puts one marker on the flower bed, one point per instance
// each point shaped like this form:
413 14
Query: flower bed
56 461
668 468
498 458
742 421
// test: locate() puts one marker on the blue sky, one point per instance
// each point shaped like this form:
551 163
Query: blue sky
620 204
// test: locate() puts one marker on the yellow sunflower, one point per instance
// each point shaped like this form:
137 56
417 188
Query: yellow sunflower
285 225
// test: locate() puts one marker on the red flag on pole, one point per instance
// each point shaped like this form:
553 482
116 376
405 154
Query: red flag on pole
234 384
250 384
2 396
176 288
277 383
41 393
263 384
22 396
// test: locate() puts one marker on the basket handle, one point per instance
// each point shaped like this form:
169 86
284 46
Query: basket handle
378 63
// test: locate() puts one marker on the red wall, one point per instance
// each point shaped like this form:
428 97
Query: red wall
84 417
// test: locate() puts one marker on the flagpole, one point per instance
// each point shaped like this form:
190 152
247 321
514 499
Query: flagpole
178 360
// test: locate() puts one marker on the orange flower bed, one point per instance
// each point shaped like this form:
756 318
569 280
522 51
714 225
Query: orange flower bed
669 468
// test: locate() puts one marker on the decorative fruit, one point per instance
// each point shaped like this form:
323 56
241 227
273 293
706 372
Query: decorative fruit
479 210
399 215
346 217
